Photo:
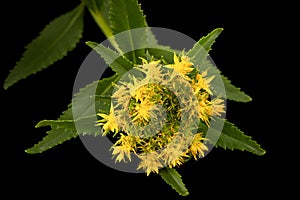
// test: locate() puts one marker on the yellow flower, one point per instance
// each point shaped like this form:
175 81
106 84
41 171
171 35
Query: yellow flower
218 107
150 162
152 70
142 111
109 122
183 67
120 95
205 108
144 92
127 145
174 156
202 82
122 153
197 147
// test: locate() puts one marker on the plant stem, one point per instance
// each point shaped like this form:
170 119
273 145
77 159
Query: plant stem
102 21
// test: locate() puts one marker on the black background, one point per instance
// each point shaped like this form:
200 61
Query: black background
244 52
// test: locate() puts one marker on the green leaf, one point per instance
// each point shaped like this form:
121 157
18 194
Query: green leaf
84 125
67 114
56 39
59 124
163 53
61 131
125 15
53 138
199 56
91 98
99 10
200 50
151 38
85 102
233 138
234 93
119 64
206 42
173 178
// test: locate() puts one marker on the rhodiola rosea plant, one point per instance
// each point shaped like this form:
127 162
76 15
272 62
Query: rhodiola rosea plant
156 86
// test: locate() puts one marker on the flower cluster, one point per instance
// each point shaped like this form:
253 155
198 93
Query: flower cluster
155 114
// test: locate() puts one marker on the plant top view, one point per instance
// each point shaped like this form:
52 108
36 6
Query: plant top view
160 108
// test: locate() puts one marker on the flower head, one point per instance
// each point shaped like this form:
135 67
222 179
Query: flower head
123 147
205 108
142 110
183 66
202 83
174 156
108 122
197 147
143 104
142 99
150 162
218 107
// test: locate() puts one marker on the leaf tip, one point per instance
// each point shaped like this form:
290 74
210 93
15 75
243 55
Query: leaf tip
244 98
249 99
5 86
261 152
219 29
185 194
29 151
91 44
8 82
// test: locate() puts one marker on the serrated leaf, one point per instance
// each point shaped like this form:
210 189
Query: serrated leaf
233 138
56 39
199 56
67 114
206 42
200 50
234 93
125 15
63 124
173 178
117 63
84 125
100 9
95 95
53 138
65 129
85 102
151 38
